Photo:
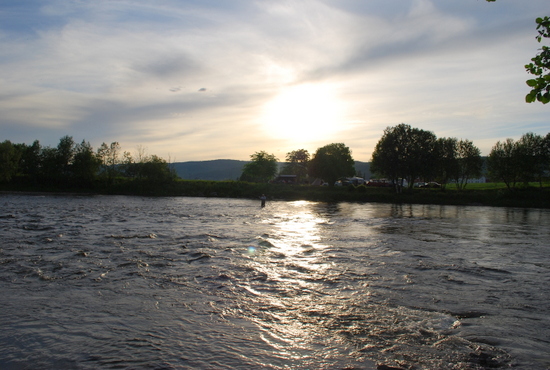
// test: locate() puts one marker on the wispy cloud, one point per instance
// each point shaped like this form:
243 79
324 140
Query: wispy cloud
192 78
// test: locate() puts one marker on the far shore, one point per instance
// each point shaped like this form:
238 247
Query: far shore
524 197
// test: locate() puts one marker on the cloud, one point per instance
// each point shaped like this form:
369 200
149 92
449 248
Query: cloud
129 71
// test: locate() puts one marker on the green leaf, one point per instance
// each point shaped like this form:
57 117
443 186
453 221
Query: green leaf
532 83
531 97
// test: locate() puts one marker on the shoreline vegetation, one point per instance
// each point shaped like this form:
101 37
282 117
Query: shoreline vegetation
404 156
488 194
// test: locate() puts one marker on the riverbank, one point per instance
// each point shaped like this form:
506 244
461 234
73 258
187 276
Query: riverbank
527 197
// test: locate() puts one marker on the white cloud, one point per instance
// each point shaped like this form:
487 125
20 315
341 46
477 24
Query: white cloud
191 78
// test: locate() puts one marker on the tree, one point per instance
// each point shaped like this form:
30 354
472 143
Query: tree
108 154
31 160
469 163
503 163
49 170
297 164
65 155
86 164
546 153
262 168
533 156
405 153
332 162
129 167
540 67
447 164
9 160
155 169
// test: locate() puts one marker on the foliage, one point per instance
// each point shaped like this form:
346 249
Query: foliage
65 154
504 164
74 166
297 164
262 168
9 157
447 164
534 155
30 163
332 162
49 171
405 153
85 164
155 169
524 160
469 163
109 156
540 67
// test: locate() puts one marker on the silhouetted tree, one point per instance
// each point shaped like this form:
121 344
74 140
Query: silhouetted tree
447 164
128 166
332 162
65 156
297 164
86 164
405 153
503 163
262 168
533 156
50 172
109 156
9 160
30 164
469 163
156 169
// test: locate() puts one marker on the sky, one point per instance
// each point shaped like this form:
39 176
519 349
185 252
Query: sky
193 80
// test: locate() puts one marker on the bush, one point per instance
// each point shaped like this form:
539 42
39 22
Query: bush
361 188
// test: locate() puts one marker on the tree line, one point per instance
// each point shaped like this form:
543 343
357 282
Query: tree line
405 155
77 164
329 163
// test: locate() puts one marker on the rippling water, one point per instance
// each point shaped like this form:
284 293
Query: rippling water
184 283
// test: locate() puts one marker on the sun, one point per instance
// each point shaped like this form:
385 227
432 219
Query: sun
304 113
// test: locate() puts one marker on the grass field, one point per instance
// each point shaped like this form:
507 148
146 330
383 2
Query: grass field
497 185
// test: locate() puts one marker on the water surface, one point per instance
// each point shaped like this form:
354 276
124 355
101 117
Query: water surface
182 283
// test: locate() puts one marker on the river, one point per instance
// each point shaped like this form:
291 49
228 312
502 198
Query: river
115 282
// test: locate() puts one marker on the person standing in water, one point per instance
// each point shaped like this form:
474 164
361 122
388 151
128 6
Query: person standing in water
263 198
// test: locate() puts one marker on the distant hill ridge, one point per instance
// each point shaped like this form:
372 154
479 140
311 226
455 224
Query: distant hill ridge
230 169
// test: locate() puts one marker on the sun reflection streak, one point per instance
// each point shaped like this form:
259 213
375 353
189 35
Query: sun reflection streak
296 229
291 274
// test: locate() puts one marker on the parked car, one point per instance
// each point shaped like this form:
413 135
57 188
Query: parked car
431 184
345 181
383 183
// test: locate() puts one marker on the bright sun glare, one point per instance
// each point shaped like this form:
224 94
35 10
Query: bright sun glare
303 113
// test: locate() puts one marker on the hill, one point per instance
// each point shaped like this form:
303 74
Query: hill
218 169
230 169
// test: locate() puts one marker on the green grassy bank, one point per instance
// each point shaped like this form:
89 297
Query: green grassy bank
476 194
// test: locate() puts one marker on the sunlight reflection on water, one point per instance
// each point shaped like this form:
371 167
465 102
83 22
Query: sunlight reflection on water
296 229
291 257
301 285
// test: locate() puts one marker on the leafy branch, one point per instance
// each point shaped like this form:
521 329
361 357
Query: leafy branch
540 67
